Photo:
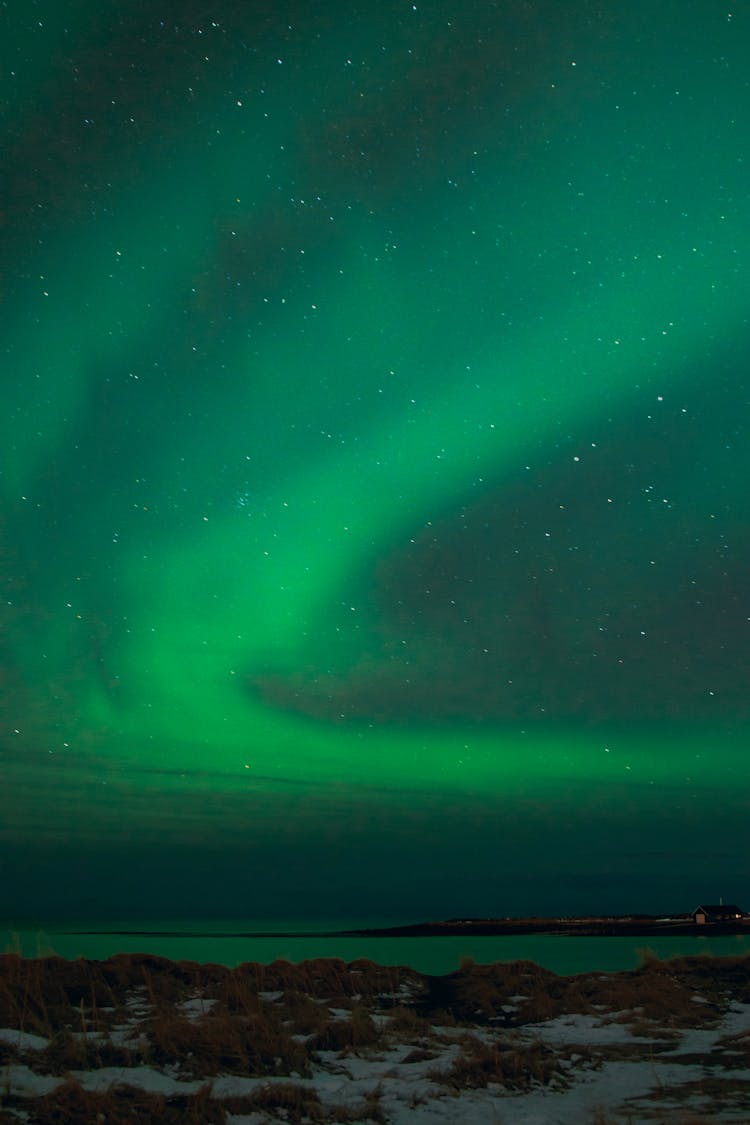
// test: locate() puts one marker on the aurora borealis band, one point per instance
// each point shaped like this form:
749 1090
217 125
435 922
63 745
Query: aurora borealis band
374 494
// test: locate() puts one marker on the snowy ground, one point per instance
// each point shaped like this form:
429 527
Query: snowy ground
141 1039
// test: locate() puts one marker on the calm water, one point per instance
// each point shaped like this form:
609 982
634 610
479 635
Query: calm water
222 943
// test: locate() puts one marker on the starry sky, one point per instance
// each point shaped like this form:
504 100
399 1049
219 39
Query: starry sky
373 489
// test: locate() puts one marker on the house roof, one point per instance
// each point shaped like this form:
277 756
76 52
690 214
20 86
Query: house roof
719 908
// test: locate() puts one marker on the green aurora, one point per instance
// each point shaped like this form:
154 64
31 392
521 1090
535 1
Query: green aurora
374 481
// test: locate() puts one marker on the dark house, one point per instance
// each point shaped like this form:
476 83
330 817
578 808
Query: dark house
724 912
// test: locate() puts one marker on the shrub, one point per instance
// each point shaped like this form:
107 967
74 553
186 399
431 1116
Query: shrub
346 1035
516 1067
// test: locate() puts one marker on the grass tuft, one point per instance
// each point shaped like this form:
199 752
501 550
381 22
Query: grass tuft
513 1066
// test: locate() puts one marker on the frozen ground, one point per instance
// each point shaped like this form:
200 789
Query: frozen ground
142 1039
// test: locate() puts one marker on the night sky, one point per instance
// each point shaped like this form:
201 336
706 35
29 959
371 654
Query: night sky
374 477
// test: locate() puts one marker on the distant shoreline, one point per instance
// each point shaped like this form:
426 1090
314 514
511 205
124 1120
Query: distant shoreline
630 926
626 926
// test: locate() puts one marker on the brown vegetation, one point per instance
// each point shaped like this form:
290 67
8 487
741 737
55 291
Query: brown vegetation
513 1066
275 1023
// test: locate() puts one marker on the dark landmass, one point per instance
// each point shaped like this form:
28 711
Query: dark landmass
631 925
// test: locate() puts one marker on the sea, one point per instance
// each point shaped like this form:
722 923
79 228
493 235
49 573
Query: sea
232 942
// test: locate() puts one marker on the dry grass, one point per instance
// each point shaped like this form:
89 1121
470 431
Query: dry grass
130 1010
296 1104
349 1035
405 1023
515 1067
223 1042
70 1104
327 978
67 1052
480 993
301 1014
658 995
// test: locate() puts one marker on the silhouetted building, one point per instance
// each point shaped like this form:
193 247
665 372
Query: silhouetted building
724 912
